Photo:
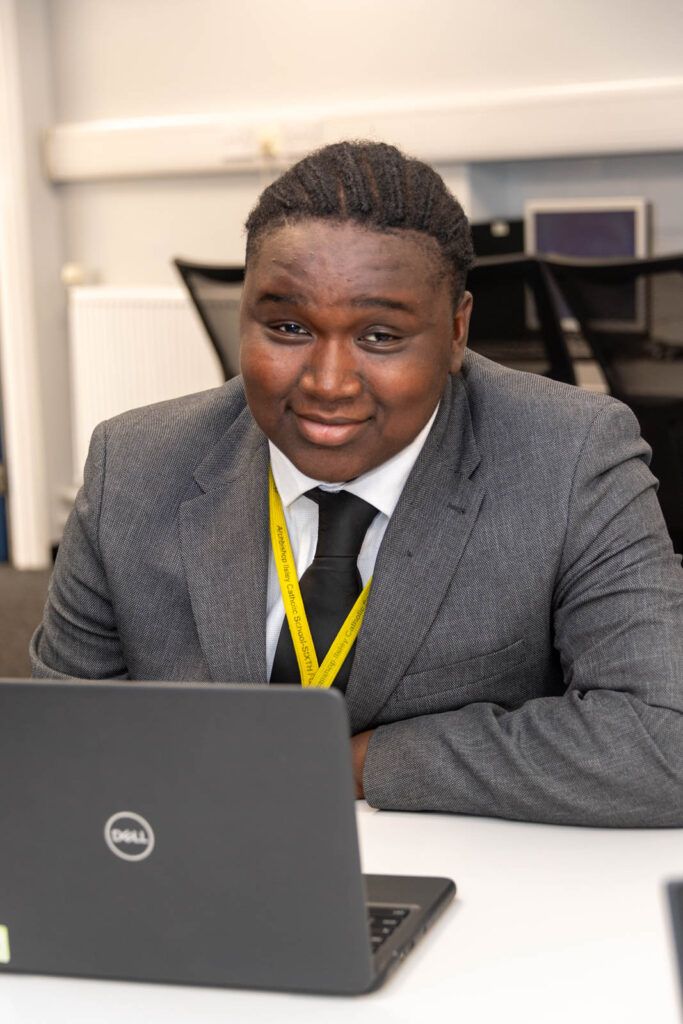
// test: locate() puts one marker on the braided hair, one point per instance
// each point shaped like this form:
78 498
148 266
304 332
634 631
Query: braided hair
376 186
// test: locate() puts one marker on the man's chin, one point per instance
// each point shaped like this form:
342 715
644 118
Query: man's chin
330 466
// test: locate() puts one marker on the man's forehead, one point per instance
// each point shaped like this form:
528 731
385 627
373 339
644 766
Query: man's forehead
314 249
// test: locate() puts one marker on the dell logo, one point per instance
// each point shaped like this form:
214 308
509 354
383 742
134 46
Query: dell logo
129 836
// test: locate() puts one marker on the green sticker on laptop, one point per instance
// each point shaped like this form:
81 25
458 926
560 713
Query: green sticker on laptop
4 944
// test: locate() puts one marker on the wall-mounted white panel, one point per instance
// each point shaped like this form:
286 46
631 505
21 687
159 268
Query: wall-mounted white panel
593 118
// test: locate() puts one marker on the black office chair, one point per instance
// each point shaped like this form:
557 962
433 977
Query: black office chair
630 312
215 292
514 319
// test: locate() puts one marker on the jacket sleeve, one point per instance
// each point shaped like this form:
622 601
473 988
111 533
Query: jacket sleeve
77 637
609 751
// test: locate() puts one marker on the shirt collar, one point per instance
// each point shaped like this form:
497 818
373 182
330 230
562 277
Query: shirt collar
380 486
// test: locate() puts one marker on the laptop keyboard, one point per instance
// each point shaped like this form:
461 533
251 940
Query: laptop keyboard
383 922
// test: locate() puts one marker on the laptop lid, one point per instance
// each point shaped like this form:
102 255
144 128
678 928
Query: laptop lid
202 834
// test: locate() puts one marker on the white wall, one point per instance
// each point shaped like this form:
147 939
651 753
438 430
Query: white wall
124 58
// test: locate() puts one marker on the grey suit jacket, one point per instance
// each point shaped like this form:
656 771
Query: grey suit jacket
522 649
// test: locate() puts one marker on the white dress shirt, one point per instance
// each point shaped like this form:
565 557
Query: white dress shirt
381 487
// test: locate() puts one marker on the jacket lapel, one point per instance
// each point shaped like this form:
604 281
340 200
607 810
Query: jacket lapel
418 557
224 539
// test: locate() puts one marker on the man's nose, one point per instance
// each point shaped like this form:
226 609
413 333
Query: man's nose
331 372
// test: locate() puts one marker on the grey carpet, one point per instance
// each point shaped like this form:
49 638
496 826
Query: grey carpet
22 596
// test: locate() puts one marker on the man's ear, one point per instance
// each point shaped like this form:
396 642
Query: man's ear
461 326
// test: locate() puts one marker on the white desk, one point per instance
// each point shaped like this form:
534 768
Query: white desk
550 925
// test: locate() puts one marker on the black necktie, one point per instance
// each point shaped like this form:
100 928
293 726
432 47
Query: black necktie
331 584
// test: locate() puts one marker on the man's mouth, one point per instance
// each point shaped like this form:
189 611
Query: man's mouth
328 430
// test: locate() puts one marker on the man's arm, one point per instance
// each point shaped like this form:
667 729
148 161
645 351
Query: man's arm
78 637
610 750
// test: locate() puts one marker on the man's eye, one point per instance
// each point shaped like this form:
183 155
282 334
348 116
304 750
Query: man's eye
289 328
379 337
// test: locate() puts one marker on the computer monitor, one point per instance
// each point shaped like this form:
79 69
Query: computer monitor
616 227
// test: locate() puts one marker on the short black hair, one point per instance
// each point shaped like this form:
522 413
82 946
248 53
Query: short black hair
374 185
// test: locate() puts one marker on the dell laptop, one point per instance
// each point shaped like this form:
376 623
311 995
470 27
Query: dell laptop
192 833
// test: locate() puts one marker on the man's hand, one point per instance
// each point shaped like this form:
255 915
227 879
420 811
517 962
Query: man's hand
359 747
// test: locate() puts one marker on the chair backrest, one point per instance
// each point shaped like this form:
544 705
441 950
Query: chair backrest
630 312
515 319
215 291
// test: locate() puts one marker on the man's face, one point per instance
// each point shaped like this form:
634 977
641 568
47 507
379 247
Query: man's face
348 336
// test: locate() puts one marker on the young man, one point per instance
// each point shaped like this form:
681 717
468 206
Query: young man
521 651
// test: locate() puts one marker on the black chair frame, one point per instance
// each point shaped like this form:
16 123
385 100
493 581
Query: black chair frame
659 411
533 272
570 274
221 275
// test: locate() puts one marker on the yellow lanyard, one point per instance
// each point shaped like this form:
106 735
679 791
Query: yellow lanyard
311 674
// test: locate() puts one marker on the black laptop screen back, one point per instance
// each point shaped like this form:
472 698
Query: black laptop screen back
246 803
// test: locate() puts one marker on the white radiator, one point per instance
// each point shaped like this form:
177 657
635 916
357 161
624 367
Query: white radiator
130 347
